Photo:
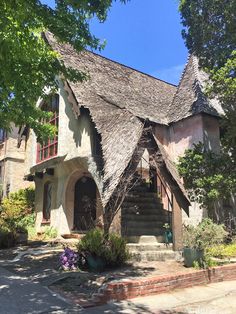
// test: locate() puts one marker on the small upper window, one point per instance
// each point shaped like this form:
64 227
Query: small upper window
2 135
49 148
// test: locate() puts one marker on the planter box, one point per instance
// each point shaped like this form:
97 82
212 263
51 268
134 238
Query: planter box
22 238
95 263
192 255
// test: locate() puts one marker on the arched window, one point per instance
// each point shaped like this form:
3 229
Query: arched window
49 148
47 201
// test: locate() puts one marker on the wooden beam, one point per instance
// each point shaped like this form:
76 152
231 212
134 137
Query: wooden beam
177 225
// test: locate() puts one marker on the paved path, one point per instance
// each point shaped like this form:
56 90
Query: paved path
18 295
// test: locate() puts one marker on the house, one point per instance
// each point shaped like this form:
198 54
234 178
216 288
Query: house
12 162
112 163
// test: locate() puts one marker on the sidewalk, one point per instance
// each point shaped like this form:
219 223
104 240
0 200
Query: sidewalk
20 296
215 298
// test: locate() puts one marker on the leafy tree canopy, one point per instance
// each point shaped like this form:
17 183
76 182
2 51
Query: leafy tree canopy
209 29
204 175
210 33
27 62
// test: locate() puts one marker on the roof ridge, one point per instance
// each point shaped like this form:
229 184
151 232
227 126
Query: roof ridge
131 68
178 87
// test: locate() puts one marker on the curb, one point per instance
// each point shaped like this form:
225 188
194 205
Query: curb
128 289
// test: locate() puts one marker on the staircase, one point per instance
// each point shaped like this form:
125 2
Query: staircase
142 220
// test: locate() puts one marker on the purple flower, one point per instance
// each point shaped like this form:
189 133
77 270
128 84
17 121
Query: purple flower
68 259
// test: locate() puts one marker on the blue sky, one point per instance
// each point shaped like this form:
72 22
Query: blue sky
145 35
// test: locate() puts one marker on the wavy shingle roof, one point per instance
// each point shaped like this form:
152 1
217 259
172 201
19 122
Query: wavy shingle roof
190 98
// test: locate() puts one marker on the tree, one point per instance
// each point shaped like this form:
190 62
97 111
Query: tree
27 62
209 33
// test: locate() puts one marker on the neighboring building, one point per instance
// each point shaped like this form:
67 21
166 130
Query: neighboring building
118 128
12 162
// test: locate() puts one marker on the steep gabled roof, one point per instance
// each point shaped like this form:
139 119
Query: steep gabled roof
120 86
116 97
190 98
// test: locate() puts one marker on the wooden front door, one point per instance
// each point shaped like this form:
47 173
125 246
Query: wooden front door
85 204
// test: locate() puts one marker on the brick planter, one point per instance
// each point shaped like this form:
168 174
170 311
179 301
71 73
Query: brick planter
127 289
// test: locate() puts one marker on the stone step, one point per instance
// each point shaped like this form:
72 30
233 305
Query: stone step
145 211
142 231
141 247
145 239
141 224
141 199
137 194
153 255
154 204
144 217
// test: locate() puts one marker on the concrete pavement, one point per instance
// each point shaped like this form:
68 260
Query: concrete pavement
216 298
18 295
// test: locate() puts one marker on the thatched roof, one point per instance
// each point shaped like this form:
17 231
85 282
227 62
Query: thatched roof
190 98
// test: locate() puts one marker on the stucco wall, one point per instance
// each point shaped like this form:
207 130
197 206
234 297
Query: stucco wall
181 136
75 146
66 174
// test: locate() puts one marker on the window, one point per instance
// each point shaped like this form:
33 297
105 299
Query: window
49 148
2 135
47 202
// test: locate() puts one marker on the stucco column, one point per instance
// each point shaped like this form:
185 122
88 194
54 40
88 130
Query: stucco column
177 225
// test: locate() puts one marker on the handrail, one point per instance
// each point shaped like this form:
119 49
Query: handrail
170 200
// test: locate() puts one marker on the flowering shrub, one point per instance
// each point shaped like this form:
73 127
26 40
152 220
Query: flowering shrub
68 259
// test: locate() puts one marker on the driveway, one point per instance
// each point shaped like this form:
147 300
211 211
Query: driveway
21 296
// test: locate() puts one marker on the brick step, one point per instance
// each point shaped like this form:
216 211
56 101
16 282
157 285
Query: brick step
144 217
153 255
138 247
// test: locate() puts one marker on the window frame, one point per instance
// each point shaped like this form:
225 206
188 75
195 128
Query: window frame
49 148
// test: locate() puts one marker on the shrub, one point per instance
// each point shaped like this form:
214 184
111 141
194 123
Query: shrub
223 250
50 233
111 249
206 234
17 210
16 215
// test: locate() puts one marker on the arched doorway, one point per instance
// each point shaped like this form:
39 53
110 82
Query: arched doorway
84 204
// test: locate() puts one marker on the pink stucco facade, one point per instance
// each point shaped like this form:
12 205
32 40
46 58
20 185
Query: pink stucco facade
181 135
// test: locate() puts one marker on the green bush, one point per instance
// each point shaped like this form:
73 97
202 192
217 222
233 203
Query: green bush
223 250
206 234
16 214
50 233
111 249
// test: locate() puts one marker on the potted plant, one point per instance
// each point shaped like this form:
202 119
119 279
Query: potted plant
193 251
168 234
197 239
102 251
